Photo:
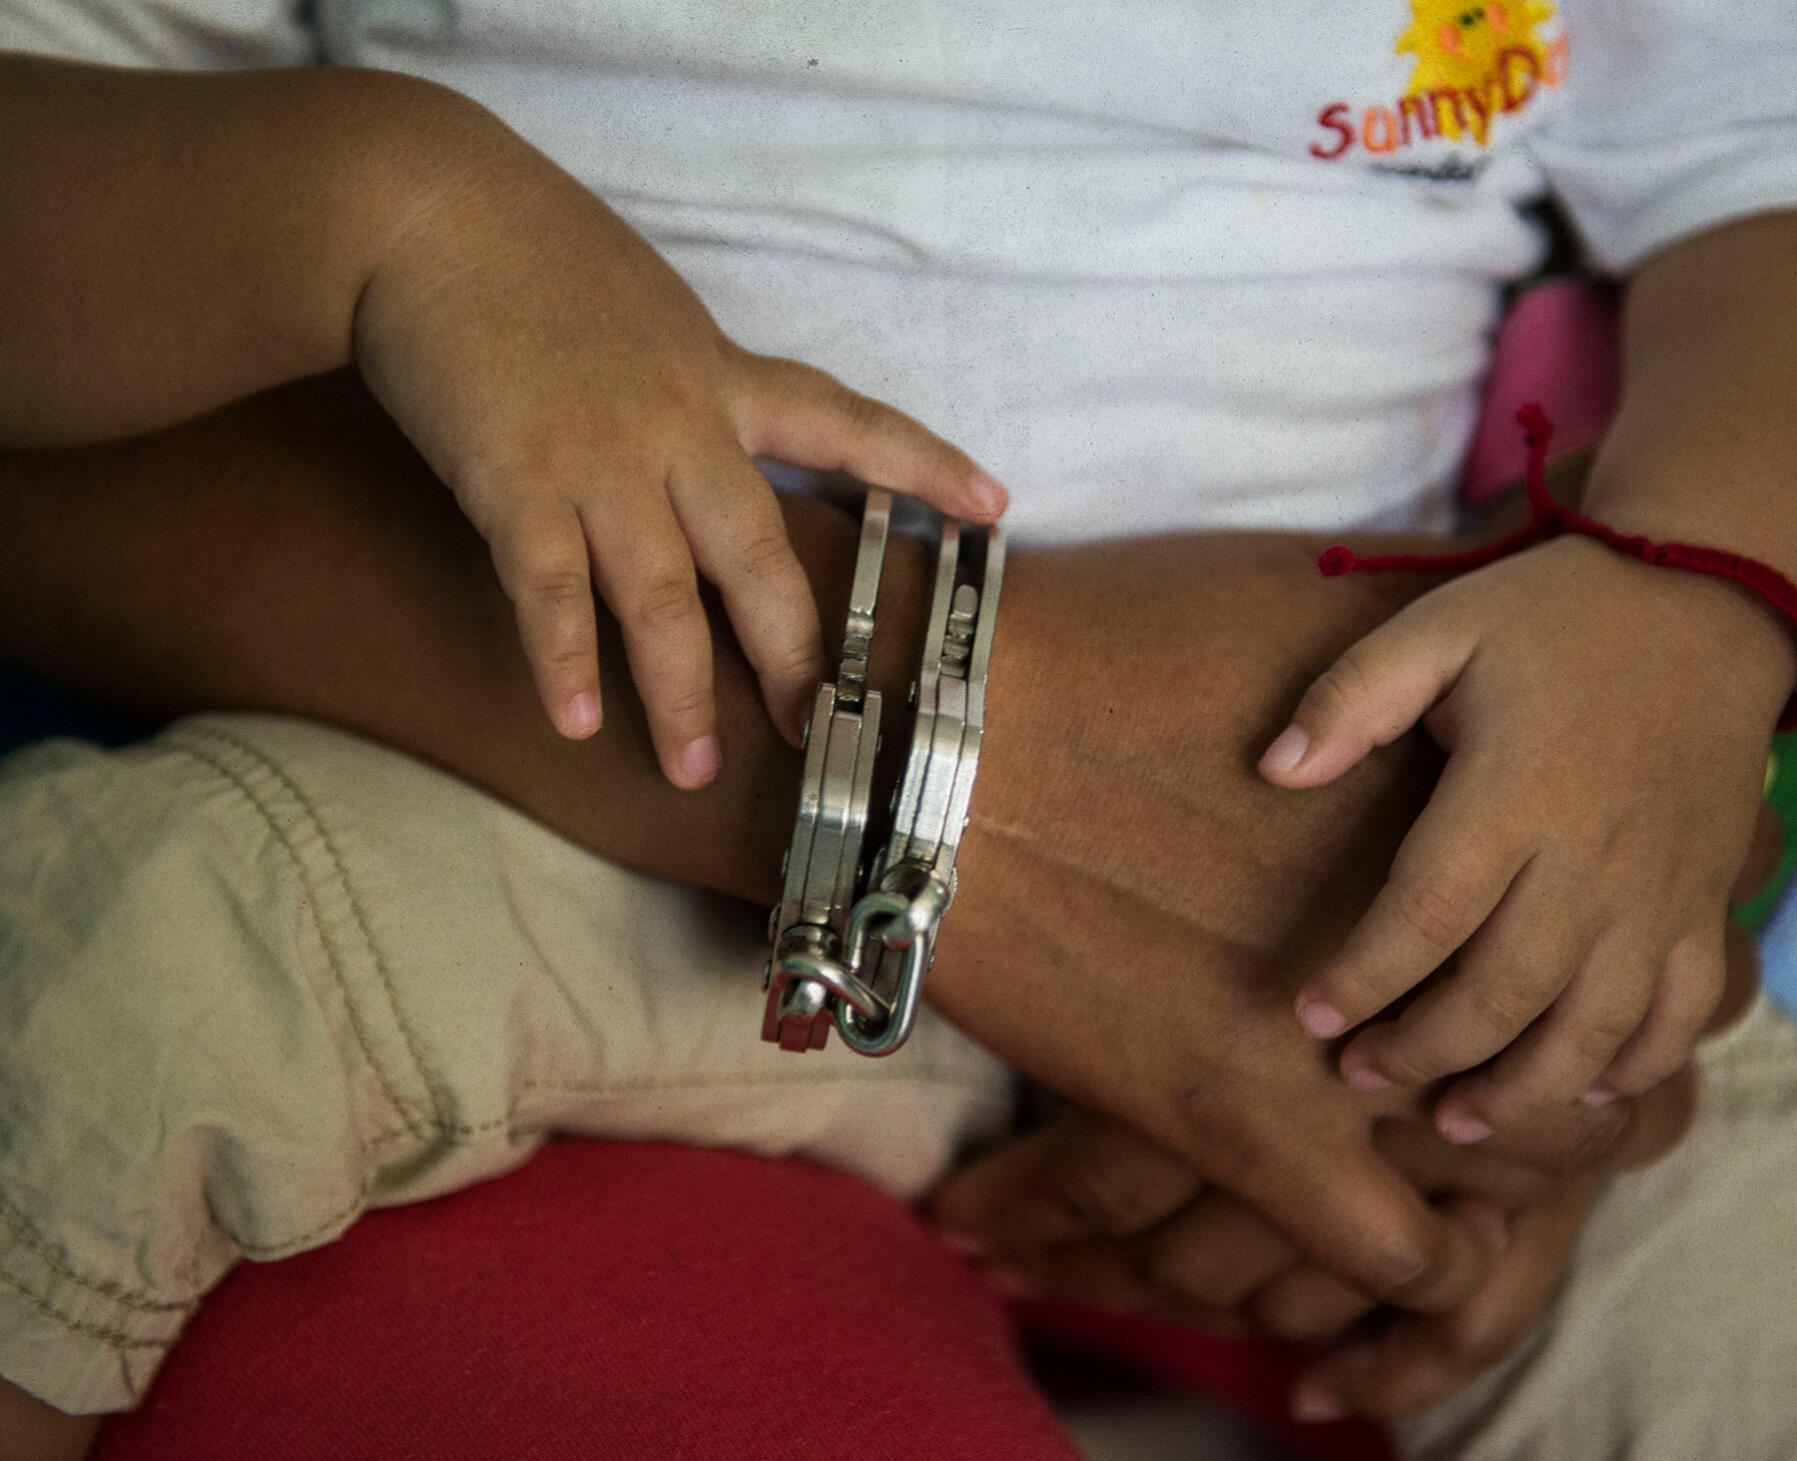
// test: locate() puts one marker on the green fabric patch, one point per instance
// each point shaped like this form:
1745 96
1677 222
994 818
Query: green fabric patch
1783 796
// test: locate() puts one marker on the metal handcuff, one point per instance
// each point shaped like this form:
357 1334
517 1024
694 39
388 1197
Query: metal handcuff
852 942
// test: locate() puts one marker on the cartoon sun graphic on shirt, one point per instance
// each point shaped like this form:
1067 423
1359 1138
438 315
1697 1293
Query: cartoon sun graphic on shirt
1468 51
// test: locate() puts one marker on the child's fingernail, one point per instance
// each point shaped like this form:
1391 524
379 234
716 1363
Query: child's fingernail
698 761
1321 1020
991 493
1286 751
1311 1406
1598 1096
580 716
1365 1078
1462 1130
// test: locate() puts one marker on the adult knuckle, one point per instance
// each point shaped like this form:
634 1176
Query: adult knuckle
1404 1266
1288 1312
1234 1146
1102 1198
1193 1273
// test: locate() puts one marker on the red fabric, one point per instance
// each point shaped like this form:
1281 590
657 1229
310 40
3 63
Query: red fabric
1548 519
607 1301
1252 1378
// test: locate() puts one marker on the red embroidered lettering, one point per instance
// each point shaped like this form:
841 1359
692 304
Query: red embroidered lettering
1333 116
1417 108
1511 60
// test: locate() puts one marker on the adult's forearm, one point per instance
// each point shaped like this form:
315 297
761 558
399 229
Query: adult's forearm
294 554
1135 904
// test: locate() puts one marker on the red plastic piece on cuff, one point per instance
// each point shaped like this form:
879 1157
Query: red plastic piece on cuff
1548 519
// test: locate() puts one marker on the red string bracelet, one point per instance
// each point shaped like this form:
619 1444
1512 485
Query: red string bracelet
1548 519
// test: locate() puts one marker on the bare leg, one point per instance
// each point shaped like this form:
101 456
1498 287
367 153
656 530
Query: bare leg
33 1431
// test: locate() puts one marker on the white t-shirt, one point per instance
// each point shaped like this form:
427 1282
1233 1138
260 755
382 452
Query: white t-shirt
1160 264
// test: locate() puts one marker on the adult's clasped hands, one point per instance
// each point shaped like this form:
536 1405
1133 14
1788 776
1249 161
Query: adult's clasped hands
1137 911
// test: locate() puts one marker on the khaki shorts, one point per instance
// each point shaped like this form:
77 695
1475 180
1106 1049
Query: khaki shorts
257 975
1674 1337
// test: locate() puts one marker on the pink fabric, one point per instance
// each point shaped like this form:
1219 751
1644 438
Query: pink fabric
1559 346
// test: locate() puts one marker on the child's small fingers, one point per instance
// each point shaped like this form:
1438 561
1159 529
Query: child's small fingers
798 414
542 563
1558 1058
1448 875
1507 973
1688 989
1377 690
645 571
738 536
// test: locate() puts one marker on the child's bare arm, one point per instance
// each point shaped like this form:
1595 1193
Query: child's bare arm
1608 723
177 241
172 241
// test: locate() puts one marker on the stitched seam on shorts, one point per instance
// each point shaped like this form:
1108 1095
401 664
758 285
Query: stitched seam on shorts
59 1265
439 1096
529 1088
415 1125
929 1076
116 1338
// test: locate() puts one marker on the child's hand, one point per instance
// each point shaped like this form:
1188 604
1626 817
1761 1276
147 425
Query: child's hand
597 427
1607 726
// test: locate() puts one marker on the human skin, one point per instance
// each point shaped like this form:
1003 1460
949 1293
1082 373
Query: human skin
1085 1208
1575 860
293 554
177 240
